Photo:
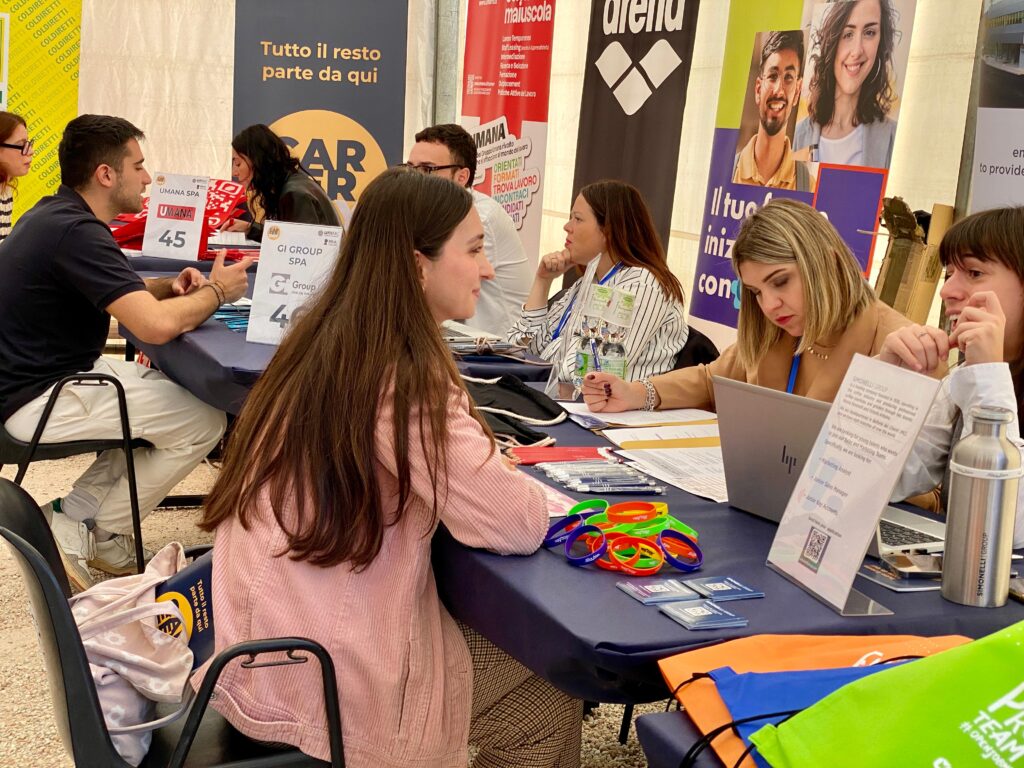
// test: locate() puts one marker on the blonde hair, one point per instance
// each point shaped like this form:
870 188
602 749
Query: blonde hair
785 232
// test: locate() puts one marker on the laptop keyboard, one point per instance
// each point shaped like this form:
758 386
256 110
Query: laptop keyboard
896 535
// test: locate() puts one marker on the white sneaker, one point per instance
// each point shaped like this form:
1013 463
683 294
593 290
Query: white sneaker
75 543
117 556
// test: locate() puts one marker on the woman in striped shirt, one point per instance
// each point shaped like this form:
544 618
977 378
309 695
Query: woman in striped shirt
15 160
610 235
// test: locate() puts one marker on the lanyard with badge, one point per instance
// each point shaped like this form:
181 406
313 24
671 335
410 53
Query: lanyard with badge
794 369
572 301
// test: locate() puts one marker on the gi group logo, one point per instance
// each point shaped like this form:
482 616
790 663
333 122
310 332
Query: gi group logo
633 84
337 151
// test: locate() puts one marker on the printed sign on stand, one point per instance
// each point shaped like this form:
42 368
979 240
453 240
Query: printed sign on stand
177 207
846 482
295 260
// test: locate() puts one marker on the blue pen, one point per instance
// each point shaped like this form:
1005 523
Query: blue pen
593 349
637 490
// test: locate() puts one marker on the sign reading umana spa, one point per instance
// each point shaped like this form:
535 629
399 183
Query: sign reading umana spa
329 79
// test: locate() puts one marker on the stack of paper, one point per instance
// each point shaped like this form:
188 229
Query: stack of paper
651 591
702 615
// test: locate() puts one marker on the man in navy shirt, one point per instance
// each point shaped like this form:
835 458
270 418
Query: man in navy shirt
61 278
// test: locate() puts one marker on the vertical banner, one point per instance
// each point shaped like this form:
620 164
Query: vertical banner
997 178
329 79
807 109
634 91
40 48
505 105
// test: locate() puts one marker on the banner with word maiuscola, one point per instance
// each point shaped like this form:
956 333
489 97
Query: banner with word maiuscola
997 178
329 79
39 45
505 105
807 109
634 91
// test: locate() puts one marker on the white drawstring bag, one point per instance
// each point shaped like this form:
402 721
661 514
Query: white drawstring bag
133 663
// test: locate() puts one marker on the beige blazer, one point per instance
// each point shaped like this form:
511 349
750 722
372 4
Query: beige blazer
818 378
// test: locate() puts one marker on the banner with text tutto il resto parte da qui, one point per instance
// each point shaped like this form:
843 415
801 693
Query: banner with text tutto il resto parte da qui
329 79
505 105
791 69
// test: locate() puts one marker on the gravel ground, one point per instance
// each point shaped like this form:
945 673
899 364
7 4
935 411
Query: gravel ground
29 737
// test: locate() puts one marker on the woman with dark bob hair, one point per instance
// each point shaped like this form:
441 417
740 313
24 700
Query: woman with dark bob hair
344 460
277 187
984 298
851 90
611 237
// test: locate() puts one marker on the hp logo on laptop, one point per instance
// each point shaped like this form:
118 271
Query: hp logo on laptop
788 459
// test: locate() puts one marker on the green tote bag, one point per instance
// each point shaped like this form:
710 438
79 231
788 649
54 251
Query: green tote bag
962 707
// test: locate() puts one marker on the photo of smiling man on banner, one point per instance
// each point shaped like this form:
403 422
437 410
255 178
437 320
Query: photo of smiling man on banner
764 150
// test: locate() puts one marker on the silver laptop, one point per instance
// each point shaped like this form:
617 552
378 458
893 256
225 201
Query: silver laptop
767 435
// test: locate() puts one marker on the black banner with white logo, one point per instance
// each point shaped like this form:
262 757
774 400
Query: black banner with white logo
634 91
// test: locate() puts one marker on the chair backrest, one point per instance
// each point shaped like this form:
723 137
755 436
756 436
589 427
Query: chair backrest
698 350
76 706
20 515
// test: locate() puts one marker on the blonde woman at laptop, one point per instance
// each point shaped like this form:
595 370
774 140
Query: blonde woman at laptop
805 312
984 296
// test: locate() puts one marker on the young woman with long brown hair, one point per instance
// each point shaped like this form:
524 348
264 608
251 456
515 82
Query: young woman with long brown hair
355 443
611 235
15 160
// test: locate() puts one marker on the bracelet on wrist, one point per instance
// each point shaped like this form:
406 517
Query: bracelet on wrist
650 395
216 292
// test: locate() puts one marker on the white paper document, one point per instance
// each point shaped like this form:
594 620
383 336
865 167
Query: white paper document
225 239
848 476
695 470
624 437
642 418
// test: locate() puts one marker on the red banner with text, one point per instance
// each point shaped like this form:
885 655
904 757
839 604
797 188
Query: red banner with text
505 105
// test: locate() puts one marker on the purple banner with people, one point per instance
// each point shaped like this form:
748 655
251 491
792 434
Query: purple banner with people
808 109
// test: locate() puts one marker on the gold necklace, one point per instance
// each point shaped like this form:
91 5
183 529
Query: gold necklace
814 352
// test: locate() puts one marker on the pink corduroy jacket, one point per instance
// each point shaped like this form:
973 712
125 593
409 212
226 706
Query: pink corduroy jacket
404 671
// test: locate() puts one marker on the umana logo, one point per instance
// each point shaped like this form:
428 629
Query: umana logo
632 85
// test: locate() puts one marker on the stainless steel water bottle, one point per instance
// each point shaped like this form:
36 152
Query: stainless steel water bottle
984 471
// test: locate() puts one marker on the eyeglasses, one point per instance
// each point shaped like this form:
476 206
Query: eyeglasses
427 168
26 148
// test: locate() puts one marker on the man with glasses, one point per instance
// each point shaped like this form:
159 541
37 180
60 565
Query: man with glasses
449 151
62 276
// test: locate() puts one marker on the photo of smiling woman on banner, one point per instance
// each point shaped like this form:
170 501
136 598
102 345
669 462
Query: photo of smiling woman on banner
854 78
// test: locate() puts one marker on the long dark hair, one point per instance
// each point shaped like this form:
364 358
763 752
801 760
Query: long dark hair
994 235
627 225
272 164
308 433
8 122
876 94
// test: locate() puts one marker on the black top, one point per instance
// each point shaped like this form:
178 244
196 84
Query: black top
302 201
59 270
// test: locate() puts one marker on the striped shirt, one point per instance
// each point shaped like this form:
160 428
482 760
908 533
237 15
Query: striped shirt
6 210
658 332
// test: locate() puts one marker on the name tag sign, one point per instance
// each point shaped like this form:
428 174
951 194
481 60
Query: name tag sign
847 480
177 208
295 261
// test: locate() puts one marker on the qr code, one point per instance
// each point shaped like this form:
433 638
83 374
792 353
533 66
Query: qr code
698 611
814 549
717 586
657 588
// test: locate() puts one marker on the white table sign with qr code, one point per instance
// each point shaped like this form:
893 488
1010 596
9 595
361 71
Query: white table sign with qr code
177 208
295 261
847 479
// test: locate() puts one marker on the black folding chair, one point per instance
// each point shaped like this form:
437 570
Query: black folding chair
189 741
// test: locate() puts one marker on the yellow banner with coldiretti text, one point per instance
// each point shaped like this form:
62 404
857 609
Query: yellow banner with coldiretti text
40 49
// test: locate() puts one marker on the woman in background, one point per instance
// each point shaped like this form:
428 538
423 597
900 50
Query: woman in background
805 311
340 467
611 236
984 295
15 160
277 187
851 90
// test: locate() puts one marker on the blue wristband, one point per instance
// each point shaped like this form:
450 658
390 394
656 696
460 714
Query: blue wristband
670 534
595 554
559 532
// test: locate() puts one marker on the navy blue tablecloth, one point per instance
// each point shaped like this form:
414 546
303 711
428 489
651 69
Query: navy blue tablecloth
665 737
156 264
573 627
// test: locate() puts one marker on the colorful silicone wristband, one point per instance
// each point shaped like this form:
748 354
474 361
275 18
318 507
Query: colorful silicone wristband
636 556
631 512
669 540
594 553
559 532
589 508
